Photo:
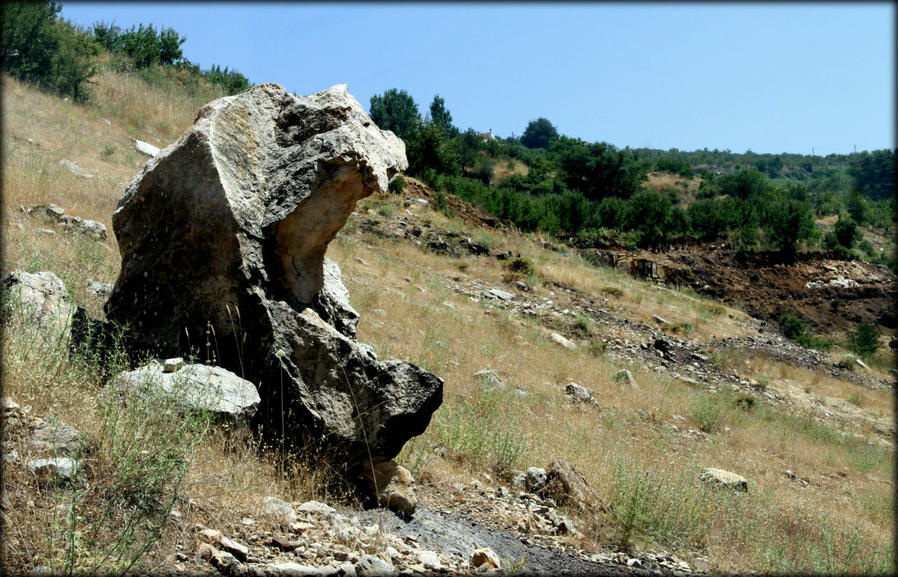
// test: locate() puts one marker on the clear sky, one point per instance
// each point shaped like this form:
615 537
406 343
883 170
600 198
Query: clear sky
764 77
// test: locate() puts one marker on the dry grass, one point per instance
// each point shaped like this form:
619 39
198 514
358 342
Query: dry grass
411 309
425 321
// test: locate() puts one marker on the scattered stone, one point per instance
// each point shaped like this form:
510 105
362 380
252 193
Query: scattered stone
566 486
74 168
370 566
498 294
146 147
430 560
101 289
239 550
625 376
488 378
55 438
193 386
316 507
284 511
283 543
293 569
485 556
724 479
75 224
562 341
58 469
579 394
393 486
39 300
536 479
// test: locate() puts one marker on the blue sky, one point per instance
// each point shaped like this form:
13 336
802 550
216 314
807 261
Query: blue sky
764 77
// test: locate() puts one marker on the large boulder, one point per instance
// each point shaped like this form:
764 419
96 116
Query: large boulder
222 238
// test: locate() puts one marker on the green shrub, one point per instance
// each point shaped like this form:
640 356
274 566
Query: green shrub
864 340
397 185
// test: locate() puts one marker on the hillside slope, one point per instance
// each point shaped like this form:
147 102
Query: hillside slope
508 320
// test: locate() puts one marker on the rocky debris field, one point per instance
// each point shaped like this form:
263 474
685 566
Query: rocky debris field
486 527
656 344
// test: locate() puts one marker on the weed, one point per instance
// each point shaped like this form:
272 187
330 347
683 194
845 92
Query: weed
483 428
658 506
710 411
613 291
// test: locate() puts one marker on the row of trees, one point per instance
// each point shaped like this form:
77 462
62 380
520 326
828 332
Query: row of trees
592 192
41 48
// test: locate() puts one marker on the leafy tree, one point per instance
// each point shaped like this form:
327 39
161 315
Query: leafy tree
427 148
743 184
232 81
787 222
857 207
611 212
28 39
396 110
674 166
597 170
649 214
540 133
440 116
846 232
874 174
864 340
38 47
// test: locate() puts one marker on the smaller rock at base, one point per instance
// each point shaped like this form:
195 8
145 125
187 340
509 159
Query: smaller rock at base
536 478
369 565
292 569
485 556
281 509
393 486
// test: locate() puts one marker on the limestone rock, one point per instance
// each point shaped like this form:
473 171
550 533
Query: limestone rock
53 214
485 556
724 479
536 478
566 486
55 437
146 147
563 341
499 295
223 236
332 303
193 386
579 394
370 566
59 469
393 485
282 510
625 376
40 303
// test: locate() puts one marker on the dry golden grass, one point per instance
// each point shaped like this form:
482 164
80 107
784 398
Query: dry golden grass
415 320
413 306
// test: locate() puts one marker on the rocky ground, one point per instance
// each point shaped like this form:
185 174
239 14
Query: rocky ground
489 526
659 344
